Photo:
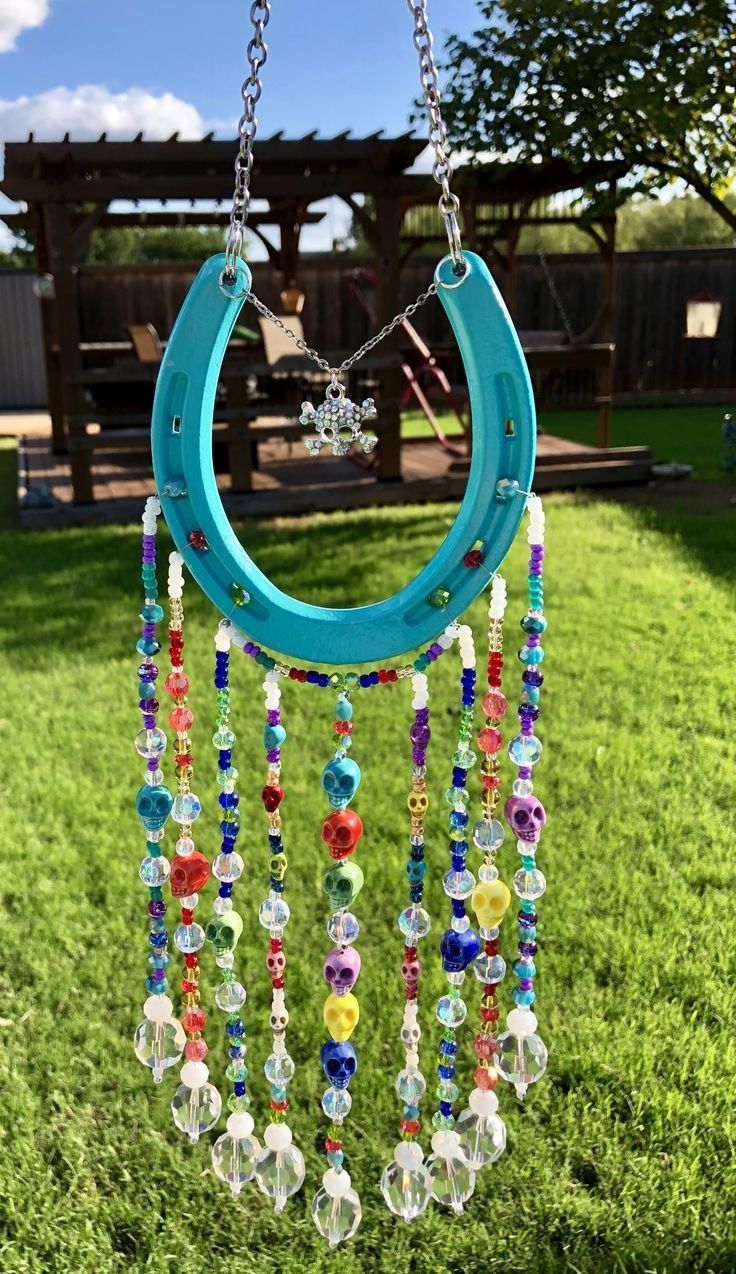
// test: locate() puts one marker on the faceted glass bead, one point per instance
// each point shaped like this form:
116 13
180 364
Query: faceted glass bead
154 871
529 884
223 738
521 1059
336 1103
414 923
482 1137
411 1086
457 797
407 1191
230 996
494 704
274 914
188 938
150 743
337 1219
525 749
459 884
487 871
230 775
464 758
279 1069
489 968
453 1180
488 834
159 1045
280 1173
451 1011
234 1160
343 928
196 1110
186 808
228 867
522 787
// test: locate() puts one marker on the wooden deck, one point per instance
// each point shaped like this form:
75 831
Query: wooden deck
288 482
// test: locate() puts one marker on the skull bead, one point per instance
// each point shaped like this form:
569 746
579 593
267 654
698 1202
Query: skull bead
223 932
526 816
490 902
458 950
339 1063
279 1019
341 780
276 963
341 832
341 969
153 804
188 874
411 971
342 884
341 1015
272 797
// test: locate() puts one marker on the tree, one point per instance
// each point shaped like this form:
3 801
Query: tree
649 84
129 244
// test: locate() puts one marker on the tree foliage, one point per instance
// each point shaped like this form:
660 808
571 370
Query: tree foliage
646 83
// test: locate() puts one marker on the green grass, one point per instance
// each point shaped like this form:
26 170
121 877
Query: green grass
690 435
623 1158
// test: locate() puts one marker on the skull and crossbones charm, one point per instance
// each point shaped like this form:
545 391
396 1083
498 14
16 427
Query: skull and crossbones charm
338 422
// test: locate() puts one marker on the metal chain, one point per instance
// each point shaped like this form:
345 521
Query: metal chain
260 12
347 363
555 294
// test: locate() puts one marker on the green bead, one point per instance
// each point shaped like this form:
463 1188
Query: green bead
420 663
237 1071
442 1122
238 1104
439 597
352 680
156 894
446 1090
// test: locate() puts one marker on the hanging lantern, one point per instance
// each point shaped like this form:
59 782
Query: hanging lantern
703 314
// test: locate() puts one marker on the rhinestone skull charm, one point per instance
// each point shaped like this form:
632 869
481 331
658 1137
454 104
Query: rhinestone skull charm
153 805
526 816
338 422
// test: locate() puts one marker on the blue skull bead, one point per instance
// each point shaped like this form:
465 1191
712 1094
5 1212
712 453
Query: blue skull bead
341 780
458 950
273 736
416 871
153 804
339 1063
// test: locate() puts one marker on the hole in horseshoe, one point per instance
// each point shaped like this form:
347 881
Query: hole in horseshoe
176 425
509 427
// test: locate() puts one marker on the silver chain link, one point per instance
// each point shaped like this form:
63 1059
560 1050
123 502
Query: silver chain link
260 12
449 203
549 278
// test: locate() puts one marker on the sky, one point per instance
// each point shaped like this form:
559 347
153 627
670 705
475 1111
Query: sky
85 66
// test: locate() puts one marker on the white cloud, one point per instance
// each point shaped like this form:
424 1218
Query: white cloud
91 109
17 16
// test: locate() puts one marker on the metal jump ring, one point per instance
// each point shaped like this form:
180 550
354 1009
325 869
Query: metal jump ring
226 284
451 286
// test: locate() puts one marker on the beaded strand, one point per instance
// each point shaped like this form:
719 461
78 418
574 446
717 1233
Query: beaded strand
159 1039
234 1154
522 1055
453 1180
196 1104
280 1167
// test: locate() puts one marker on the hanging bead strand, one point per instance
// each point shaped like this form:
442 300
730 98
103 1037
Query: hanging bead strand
234 1154
406 1185
196 1104
159 1040
453 1180
336 1208
280 1166
482 1132
522 1055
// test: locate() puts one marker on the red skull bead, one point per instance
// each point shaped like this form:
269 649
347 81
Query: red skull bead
341 832
272 798
188 874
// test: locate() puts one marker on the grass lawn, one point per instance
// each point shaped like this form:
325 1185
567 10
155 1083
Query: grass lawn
690 435
623 1159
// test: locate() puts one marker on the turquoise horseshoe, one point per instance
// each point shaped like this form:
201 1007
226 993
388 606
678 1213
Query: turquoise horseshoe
504 444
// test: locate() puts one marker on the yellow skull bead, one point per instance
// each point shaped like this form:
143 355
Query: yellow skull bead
277 866
341 1013
418 802
490 901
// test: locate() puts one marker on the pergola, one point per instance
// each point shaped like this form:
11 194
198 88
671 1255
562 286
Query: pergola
68 188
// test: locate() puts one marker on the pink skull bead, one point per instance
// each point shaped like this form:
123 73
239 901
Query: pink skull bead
526 816
341 969
410 971
276 963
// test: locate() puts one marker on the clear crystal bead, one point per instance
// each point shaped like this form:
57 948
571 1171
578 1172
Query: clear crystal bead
411 1086
228 867
154 870
407 1191
453 1180
188 938
521 1059
279 1069
150 743
159 1045
414 923
280 1173
529 884
343 928
274 914
186 808
488 834
196 1110
451 1010
487 871
489 969
230 996
459 884
482 1137
337 1219
234 1160
336 1103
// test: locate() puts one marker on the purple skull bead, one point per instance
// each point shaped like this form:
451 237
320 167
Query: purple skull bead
526 816
341 969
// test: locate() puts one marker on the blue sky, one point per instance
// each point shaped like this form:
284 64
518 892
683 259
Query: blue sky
156 65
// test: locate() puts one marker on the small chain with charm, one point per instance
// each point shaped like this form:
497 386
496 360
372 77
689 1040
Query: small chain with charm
338 421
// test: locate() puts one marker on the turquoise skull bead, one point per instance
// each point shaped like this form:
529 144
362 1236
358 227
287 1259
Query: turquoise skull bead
223 932
341 780
342 884
153 804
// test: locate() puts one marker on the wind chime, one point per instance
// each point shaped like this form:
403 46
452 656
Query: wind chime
272 629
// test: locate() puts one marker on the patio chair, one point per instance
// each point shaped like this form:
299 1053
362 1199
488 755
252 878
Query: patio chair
146 342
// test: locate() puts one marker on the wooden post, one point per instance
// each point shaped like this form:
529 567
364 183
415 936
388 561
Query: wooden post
605 379
49 327
62 265
388 303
